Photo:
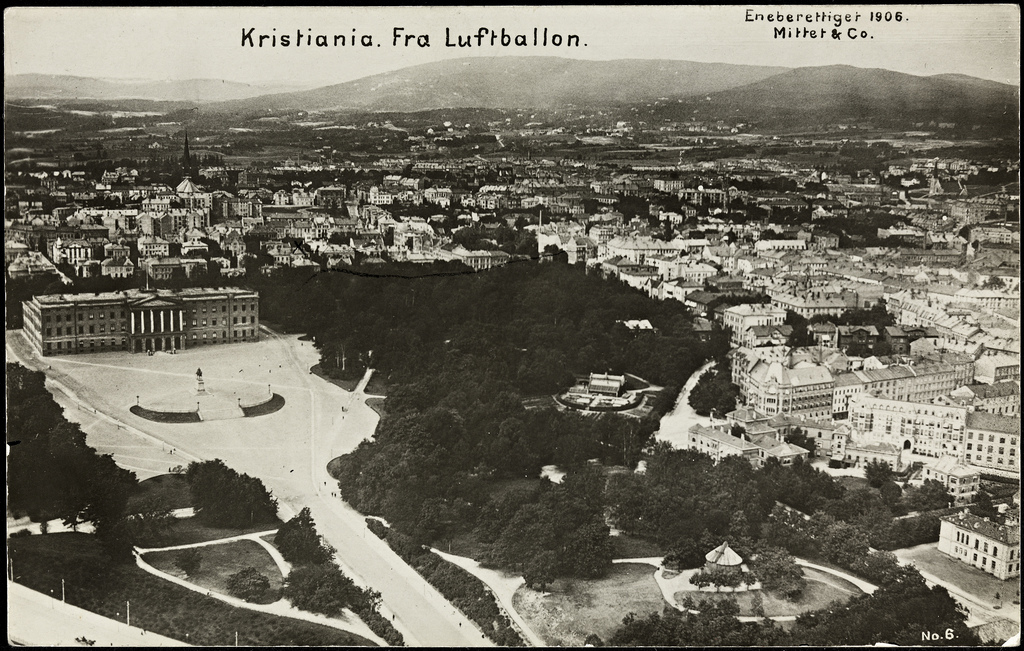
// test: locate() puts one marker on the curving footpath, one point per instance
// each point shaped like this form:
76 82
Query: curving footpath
503 586
669 587
350 622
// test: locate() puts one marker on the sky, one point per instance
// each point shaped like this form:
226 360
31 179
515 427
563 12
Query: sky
165 43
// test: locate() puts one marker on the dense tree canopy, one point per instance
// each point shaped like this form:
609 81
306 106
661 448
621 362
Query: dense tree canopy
224 497
53 473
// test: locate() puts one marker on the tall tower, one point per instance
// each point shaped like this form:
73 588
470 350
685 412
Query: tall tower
186 159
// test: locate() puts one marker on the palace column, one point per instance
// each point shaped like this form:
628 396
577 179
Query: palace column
152 324
181 321
132 316
162 329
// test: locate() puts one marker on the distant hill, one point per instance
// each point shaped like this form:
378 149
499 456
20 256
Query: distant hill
66 87
837 94
515 82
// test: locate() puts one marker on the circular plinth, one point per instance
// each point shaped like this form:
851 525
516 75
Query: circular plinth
218 401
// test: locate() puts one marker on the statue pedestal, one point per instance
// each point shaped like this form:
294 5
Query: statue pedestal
200 387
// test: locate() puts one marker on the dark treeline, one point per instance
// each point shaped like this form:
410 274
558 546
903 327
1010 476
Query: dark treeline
459 353
52 472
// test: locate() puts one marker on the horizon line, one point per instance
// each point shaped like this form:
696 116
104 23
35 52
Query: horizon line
309 85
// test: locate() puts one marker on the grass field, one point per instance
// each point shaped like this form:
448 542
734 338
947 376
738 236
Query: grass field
822 590
219 562
347 385
161 492
377 404
96 584
575 608
186 531
627 546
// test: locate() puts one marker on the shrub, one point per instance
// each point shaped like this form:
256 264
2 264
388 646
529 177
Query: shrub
376 527
189 560
248 584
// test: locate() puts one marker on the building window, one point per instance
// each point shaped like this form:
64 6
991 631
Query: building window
81 330
48 332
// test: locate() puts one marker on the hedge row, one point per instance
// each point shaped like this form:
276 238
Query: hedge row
462 589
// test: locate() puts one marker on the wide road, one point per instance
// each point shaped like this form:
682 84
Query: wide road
675 425
288 450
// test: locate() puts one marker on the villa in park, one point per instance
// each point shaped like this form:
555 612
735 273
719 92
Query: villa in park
982 543
141 320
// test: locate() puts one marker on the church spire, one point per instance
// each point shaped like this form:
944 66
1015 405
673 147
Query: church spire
186 160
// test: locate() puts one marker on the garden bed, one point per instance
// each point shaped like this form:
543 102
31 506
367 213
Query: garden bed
275 403
166 416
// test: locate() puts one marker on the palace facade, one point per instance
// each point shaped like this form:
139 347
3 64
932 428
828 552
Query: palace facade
141 320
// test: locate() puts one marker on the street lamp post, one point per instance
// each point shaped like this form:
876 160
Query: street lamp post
128 613
62 591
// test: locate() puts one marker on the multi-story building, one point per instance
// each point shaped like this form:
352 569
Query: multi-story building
999 398
772 387
994 548
853 450
993 442
961 481
140 320
923 428
741 317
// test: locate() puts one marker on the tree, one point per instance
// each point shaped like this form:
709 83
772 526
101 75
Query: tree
930 495
983 507
757 604
248 584
226 498
778 572
321 589
890 493
299 542
877 473
993 282
189 560
540 571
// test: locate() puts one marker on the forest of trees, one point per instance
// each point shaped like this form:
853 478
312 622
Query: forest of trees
459 353
52 472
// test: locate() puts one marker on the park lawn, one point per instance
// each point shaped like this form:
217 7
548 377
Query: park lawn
575 608
219 562
186 531
627 546
377 385
93 582
822 591
346 384
161 492
377 404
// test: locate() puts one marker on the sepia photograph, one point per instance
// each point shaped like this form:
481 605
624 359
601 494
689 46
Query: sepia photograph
513 326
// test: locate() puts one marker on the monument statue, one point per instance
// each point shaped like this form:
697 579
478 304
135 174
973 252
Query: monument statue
199 372
200 388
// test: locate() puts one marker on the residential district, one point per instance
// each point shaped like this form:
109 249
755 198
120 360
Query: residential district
777 252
